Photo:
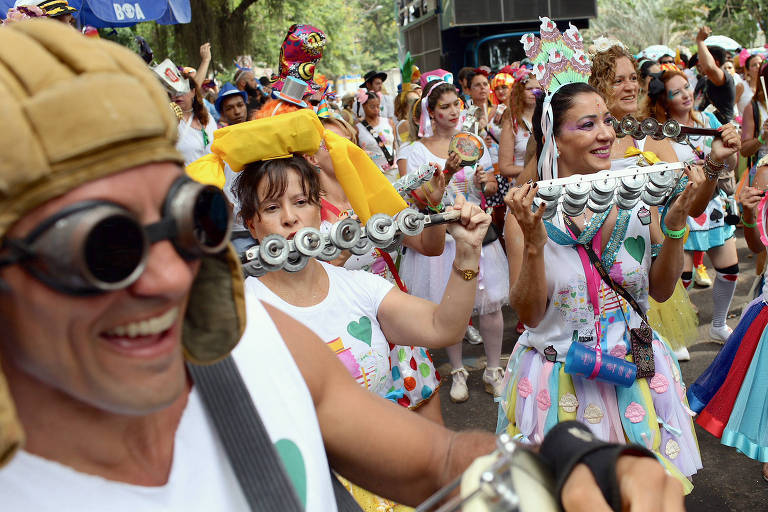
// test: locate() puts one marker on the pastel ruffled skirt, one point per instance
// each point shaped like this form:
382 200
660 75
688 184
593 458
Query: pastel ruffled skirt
732 394
652 412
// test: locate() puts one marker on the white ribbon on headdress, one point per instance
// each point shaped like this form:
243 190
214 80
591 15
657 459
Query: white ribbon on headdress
425 123
549 154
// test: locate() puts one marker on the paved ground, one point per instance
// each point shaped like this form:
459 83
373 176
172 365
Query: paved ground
728 482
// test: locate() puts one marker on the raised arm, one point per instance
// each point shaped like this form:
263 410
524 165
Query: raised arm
666 269
724 149
205 62
707 63
526 237
406 319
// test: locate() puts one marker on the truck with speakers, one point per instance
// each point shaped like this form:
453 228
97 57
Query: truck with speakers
452 34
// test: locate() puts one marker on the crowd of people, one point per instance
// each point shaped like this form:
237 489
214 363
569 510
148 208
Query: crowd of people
127 310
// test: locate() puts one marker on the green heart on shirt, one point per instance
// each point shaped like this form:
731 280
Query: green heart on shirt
635 247
294 465
361 330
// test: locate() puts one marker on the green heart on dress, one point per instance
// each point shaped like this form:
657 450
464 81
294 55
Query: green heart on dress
635 247
361 330
294 465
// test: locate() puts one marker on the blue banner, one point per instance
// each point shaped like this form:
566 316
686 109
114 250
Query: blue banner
116 13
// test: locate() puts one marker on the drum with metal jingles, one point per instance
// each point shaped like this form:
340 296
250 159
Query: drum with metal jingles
511 479
468 146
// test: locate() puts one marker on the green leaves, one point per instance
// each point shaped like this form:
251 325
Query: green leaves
362 34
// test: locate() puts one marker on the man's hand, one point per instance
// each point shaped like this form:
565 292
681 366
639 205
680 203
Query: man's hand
704 33
645 487
205 52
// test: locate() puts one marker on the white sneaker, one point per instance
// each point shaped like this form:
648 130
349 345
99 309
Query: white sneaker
720 334
682 354
494 380
473 335
459 391
701 278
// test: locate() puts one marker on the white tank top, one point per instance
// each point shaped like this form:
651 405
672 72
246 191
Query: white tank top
618 164
521 143
201 477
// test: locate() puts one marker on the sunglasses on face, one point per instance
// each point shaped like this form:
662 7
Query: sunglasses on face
97 246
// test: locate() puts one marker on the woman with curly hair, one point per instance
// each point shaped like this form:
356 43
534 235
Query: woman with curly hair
615 76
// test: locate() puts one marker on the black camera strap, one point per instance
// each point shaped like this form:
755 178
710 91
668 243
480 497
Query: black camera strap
257 465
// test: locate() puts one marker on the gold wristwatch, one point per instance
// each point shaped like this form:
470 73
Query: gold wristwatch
466 274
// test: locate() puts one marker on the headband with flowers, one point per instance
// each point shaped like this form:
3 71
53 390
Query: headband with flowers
558 59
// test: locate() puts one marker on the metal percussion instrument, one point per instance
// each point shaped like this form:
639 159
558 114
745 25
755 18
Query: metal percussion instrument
467 143
381 231
511 479
651 127
468 146
600 191
414 180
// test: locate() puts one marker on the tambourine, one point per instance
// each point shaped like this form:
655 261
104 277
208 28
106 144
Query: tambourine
510 479
651 127
599 191
275 253
468 146
762 219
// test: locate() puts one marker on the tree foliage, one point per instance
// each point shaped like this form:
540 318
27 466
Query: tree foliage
362 34
642 23
742 20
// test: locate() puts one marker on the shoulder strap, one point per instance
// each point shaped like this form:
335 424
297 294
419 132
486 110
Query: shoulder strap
255 462
327 209
595 260
387 154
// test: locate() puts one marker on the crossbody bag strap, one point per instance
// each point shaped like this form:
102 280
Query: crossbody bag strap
603 273
387 154
258 467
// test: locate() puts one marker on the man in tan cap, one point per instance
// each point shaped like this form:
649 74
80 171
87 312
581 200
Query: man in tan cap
117 286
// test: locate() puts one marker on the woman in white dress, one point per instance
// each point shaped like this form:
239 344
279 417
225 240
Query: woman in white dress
427 276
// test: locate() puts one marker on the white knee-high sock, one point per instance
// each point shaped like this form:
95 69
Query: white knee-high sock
722 294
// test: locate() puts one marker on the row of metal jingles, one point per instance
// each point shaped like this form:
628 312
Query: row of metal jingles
572 195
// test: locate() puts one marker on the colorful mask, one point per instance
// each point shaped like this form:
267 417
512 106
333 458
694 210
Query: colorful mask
301 50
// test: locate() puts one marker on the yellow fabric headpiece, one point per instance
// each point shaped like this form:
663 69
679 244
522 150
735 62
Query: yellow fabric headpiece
300 132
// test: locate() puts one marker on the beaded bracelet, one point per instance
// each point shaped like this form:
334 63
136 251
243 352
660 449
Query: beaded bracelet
675 234
747 224
712 169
